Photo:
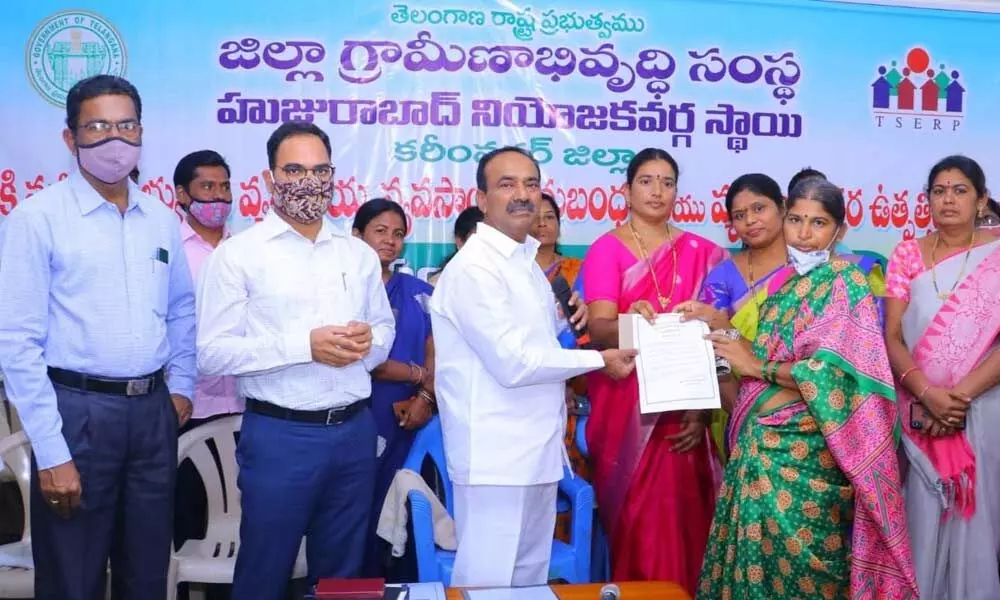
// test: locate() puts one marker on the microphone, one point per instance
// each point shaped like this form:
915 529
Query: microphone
611 592
560 288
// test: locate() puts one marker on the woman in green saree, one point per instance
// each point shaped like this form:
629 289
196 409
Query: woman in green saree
735 289
810 505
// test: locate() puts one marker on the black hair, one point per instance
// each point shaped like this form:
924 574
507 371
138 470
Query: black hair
291 129
468 219
485 160
134 175
547 197
552 202
992 206
187 167
966 165
756 183
93 87
802 175
371 209
645 156
465 226
822 191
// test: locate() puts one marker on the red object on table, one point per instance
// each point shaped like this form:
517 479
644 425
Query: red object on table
350 589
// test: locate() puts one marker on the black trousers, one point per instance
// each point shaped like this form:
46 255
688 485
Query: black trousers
125 449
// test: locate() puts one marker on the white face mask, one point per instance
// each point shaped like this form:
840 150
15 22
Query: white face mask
804 262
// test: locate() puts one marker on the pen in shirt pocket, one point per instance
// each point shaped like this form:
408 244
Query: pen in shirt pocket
160 255
343 279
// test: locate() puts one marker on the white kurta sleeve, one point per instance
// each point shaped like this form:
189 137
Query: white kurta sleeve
490 326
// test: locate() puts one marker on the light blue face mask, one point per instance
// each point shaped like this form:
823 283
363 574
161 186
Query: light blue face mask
804 262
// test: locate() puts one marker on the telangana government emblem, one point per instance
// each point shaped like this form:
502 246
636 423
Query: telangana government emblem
69 46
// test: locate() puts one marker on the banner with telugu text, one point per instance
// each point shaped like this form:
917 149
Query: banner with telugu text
412 94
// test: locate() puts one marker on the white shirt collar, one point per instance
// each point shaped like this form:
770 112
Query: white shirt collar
274 226
506 246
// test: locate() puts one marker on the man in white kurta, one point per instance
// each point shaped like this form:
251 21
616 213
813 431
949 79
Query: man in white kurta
500 380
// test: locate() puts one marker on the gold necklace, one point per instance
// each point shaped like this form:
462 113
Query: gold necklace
664 300
965 263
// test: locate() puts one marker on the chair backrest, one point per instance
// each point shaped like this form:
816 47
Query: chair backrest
219 479
9 422
581 435
429 443
15 451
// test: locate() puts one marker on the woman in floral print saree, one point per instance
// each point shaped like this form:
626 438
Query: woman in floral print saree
811 503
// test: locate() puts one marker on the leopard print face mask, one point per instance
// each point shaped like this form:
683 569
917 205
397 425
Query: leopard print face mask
304 200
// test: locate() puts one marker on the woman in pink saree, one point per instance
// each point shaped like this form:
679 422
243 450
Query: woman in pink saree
654 474
942 325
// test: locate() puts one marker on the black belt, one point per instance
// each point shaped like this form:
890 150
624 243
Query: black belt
137 386
331 416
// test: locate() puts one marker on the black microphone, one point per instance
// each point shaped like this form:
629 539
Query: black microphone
611 592
560 288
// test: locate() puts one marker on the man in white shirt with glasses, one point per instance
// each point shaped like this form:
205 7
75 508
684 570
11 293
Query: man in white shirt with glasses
295 308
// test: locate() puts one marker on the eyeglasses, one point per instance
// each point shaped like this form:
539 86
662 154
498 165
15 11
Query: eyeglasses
295 171
127 128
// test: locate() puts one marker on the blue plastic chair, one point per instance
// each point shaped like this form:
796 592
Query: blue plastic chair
601 561
570 562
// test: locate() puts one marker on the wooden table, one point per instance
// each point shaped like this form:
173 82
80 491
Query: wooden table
652 590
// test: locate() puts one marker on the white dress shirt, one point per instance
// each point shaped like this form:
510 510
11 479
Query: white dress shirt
261 293
500 373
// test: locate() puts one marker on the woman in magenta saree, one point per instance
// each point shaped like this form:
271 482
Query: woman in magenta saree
654 474
943 324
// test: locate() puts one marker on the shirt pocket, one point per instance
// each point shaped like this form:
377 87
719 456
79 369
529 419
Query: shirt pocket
342 296
355 300
159 285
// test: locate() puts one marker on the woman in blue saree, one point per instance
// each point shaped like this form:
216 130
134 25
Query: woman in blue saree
402 398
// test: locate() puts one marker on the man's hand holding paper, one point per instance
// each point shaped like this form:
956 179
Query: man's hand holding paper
676 364
619 363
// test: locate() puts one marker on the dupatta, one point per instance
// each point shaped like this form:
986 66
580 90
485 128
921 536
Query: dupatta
955 341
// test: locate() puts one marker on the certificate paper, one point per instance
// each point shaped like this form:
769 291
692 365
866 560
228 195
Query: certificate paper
541 592
676 364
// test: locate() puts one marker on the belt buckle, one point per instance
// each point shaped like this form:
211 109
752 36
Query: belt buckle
138 387
333 416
